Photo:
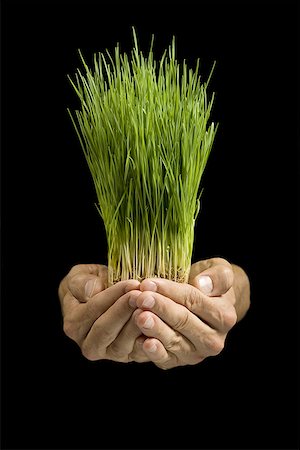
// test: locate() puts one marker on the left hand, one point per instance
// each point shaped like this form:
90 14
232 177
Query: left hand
185 323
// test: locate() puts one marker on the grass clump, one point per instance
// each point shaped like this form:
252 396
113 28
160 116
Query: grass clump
144 128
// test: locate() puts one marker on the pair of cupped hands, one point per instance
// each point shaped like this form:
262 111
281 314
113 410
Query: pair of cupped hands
169 323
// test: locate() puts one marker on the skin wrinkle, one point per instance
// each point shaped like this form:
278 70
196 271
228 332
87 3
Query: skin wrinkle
182 322
192 299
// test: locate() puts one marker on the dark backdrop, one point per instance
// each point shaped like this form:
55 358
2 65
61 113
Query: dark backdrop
51 396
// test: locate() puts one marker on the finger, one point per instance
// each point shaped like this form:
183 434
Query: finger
151 325
87 269
102 301
107 327
157 353
76 321
86 283
68 304
126 346
185 295
80 317
180 319
93 269
138 354
93 309
213 277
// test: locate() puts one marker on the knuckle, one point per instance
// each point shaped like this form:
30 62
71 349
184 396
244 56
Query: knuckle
88 352
226 316
62 288
214 344
163 366
183 321
229 317
65 301
174 345
220 261
191 299
227 277
75 269
76 284
196 359
96 268
116 353
70 329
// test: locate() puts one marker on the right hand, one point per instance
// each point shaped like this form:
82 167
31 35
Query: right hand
101 320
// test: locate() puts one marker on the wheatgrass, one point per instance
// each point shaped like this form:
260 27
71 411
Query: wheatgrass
144 129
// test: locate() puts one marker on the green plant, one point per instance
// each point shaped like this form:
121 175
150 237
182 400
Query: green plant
143 127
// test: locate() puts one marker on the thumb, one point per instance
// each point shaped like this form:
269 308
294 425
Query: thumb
85 285
215 280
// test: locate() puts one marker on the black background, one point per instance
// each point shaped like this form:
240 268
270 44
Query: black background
51 396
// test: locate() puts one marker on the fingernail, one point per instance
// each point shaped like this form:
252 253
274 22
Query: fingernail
148 302
132 302
205 284
153 348
149 323
89 287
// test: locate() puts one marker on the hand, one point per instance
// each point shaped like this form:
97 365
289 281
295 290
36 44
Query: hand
106 325
182 325
101 320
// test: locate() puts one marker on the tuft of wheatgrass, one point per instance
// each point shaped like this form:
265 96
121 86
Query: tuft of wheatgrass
144 128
